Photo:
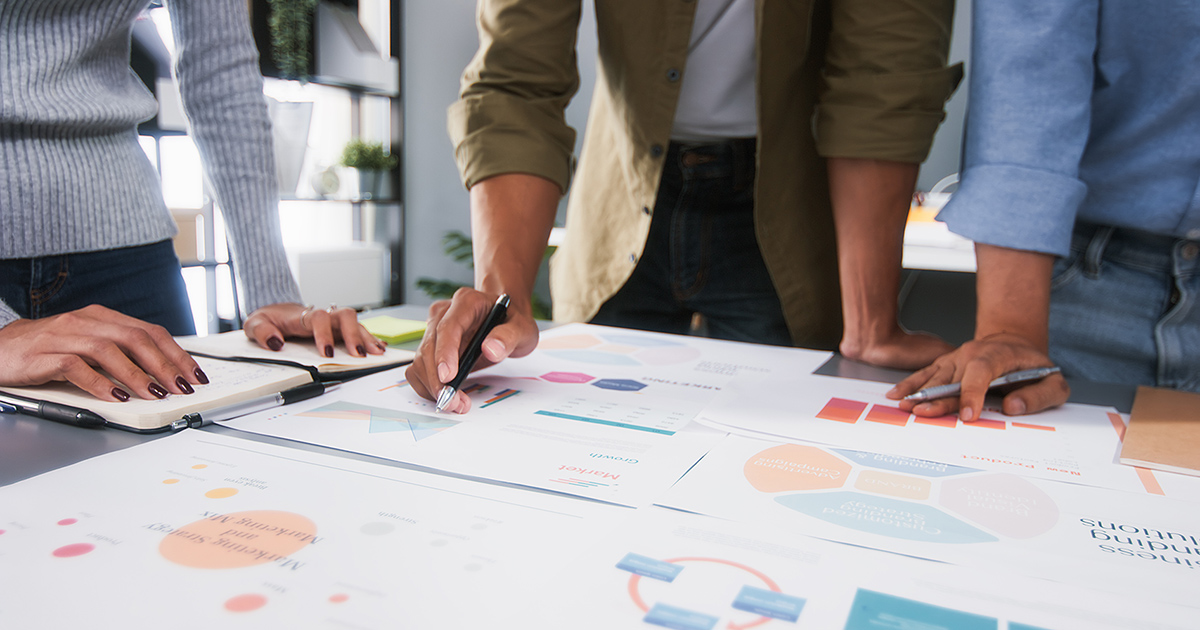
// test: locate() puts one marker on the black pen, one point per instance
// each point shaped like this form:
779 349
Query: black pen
229 412
474 349
51 411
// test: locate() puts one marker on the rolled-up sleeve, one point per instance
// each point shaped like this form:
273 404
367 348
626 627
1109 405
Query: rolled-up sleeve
1030 114
885 80
510 117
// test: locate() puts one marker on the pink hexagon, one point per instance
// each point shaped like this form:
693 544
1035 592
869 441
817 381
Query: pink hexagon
566 377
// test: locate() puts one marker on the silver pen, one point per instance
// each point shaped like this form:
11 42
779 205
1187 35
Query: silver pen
953 389
228 412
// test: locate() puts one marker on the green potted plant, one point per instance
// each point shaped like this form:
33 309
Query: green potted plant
371 161
290 24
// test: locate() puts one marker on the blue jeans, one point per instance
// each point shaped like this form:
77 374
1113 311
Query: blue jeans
702 255
1124 308
143 282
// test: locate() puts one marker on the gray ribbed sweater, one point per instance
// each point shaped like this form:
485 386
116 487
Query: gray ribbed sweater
72 175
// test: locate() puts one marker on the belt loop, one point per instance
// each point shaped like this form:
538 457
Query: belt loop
1095 250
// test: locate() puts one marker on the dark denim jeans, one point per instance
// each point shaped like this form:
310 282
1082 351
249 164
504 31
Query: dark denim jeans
702 255
142 282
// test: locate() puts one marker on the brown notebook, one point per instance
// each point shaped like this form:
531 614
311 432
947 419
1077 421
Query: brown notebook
1164 431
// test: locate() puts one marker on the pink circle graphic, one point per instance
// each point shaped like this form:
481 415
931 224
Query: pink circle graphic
70 551
68 521
245 603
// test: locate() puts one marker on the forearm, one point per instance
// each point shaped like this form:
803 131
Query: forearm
871 199
511 217
1013 293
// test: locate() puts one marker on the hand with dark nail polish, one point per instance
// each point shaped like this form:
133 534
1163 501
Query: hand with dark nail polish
157 390
201 376
184 385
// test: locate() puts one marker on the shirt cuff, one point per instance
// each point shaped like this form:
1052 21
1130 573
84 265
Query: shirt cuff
885 117
495 134
1015 207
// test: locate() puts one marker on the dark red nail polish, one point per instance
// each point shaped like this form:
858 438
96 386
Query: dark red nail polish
275 343
361 350
157 390
184 385
120 394
201 376
329 351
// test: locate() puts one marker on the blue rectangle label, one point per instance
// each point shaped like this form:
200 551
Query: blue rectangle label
769 603
649 567
679 618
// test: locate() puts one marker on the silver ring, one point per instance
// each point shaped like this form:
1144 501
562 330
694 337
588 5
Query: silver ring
307 309
332 308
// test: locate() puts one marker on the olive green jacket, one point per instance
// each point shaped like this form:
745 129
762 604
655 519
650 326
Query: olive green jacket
836 78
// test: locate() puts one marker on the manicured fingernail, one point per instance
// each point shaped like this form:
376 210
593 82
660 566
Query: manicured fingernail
120 394
968 414
443 372
362 352
275 343
495 349
1016 408
329 351
201 376
157 390
184 385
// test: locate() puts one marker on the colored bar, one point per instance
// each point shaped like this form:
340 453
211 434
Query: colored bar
508 393
649 567
987 424
554 414
477 387
888 415
949 421
1148 480
1118 424
769 603
1032 426
679 618
842 410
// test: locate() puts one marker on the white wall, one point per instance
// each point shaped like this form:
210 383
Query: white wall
439 40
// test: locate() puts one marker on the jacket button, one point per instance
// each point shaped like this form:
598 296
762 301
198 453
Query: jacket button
646 210
656 150
633 258
672 75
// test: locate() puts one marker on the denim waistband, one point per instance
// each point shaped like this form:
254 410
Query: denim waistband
734 158
1135 248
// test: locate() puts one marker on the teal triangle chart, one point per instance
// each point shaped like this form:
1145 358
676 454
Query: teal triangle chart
383 420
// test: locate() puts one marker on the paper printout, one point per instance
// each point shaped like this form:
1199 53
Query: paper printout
1073 443
666 569
599 412
1149 545
201 530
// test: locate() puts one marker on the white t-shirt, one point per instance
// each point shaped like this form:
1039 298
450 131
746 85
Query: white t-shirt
717 97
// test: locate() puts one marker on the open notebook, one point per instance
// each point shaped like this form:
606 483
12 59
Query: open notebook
230 382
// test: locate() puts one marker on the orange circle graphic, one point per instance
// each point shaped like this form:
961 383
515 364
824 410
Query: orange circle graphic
240 539
170 481
221 493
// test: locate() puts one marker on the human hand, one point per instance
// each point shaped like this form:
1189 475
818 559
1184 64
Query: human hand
450 326
270 325
74 346
903 350
975 364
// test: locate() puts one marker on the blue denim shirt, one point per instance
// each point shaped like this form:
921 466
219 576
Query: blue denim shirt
1080 109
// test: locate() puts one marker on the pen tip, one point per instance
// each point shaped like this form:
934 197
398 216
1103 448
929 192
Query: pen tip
444 398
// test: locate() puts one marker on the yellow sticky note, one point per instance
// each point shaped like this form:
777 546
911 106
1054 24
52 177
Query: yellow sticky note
394 330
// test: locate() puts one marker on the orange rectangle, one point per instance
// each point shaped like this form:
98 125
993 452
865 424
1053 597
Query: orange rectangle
988 424
888 415
1032 426
942 421
842 410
